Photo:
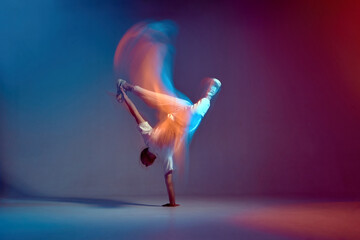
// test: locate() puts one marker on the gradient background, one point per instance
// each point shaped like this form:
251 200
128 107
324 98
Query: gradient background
286 122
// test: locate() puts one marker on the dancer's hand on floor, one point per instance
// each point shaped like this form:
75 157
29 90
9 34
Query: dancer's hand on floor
171 205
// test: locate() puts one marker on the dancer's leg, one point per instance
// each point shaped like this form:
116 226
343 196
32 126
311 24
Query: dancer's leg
197 112
163 102
188 114
199 109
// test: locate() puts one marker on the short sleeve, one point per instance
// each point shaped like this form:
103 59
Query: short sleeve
145 129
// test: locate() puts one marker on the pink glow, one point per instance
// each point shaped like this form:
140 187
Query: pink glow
330 220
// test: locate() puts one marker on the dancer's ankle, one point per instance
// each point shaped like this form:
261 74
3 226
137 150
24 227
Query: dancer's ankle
128 87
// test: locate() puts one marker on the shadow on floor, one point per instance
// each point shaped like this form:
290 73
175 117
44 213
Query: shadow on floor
28 197
95 202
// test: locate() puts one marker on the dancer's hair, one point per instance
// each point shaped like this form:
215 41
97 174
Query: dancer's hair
147 158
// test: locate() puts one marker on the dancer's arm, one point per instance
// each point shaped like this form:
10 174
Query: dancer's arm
170 190
132 109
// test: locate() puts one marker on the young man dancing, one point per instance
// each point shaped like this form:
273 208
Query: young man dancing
181 118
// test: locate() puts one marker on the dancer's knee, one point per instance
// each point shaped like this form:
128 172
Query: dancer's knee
201 107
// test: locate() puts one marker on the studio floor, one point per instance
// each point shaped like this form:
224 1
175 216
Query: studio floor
196 218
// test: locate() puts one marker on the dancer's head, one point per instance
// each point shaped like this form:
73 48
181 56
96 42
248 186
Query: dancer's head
147 158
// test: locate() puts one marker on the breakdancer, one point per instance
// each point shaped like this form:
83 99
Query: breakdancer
180 119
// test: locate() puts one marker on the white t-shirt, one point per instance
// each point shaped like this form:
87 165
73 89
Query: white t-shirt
164 154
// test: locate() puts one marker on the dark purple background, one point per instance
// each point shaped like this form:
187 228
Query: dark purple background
285 123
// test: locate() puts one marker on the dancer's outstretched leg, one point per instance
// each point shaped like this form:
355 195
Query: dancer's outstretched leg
197 111
163 102
160 101
187 114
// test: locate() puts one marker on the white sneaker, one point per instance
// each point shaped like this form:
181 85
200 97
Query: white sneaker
124 84
119 94
119 83
214 87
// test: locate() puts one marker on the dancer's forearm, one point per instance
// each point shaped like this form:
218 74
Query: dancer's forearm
132 109
170 188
